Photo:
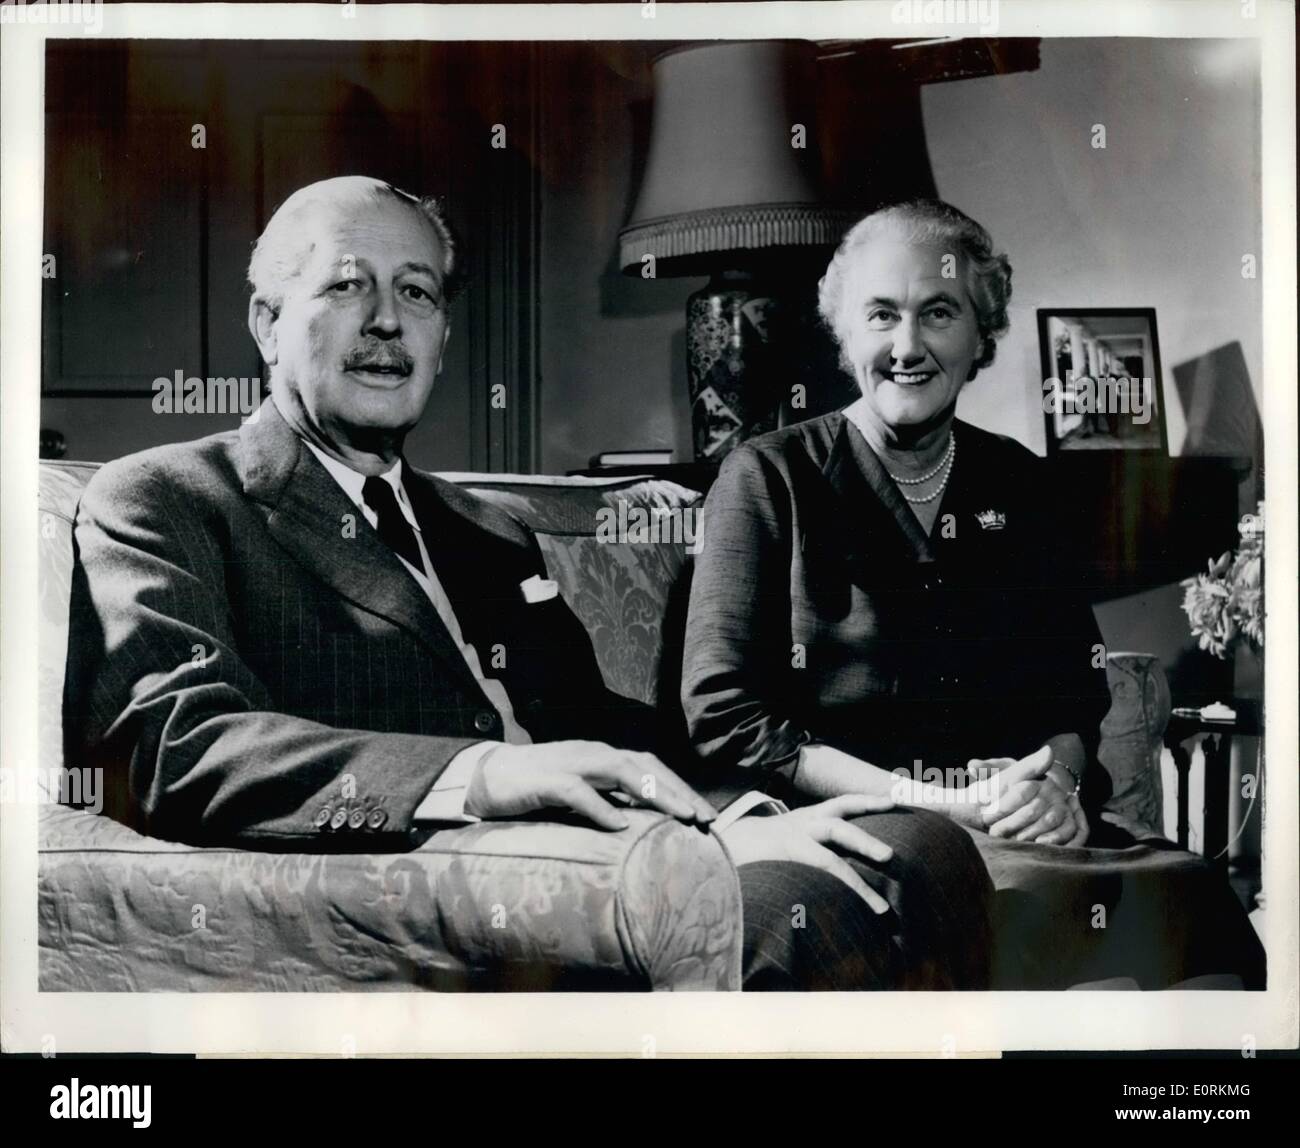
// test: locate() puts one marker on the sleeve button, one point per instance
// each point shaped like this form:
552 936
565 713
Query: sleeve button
339 819
322 818
484 721
376 819
356 819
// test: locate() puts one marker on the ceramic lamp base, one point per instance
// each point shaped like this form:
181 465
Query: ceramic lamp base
732 362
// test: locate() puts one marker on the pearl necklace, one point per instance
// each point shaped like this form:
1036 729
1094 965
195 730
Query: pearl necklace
950 457
952 441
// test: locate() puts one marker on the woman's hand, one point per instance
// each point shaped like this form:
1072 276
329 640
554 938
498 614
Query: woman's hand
1072 832
806 835
1027 799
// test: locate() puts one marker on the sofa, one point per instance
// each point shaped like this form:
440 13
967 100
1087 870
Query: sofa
529 905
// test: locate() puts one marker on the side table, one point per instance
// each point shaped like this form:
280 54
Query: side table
1187 726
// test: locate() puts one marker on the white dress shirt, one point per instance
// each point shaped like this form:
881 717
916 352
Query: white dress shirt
446 800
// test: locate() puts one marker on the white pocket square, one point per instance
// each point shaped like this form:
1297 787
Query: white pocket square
539 589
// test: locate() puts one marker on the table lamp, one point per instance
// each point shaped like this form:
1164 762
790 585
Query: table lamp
730 191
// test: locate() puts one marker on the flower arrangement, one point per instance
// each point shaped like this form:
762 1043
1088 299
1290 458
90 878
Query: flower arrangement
1226 604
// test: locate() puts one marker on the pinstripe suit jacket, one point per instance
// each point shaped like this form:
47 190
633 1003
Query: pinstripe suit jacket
247 659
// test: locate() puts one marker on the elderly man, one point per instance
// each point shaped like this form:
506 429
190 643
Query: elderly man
263 615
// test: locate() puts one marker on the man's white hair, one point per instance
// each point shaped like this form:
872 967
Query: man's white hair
280 251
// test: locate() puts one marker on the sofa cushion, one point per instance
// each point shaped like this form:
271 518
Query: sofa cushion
575 506
617 548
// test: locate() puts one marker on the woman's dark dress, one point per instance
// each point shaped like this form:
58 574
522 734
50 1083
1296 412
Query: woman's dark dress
821 611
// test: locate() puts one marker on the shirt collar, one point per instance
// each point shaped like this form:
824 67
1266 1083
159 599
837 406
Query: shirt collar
353 481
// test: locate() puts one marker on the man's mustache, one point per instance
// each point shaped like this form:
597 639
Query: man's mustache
382 356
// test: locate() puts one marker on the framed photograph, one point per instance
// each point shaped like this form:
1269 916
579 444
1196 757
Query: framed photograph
1101 379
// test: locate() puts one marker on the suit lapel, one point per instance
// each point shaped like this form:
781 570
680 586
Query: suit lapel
476 555
451 513
308 515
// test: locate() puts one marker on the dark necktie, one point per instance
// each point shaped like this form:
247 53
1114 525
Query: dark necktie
392 525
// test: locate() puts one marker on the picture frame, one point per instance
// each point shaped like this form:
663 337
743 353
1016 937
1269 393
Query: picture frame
1102 377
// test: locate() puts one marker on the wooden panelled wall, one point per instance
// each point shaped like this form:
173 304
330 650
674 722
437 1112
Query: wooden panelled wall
151 233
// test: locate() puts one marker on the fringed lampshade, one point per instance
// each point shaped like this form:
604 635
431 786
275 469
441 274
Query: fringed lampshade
729 165
730 190
674 239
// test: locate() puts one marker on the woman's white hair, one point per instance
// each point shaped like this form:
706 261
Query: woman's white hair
280 251
934 224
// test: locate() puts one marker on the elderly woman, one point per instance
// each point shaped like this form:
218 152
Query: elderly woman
874 610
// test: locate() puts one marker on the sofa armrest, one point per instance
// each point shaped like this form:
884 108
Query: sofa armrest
496 905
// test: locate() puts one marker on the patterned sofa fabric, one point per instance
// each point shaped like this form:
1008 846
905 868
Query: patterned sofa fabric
552 505
510 906
617 549
1132 734
60 488
622 594
527 905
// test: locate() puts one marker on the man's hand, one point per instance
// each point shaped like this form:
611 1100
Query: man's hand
1028 800
513 780
805 835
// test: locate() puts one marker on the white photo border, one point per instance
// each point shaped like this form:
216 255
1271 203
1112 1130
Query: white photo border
633 1024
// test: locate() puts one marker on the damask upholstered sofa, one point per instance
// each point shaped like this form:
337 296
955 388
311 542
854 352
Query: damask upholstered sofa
528 905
